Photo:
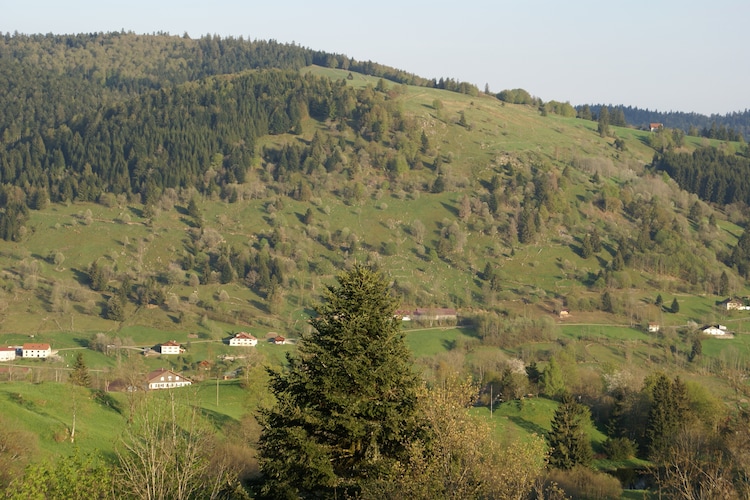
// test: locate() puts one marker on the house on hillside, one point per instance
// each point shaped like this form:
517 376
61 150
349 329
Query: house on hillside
653 327
403 314
243 339
431 314
278 340
653 127
170 347
714 330
166 379
7 353
733 305
32 350
563 313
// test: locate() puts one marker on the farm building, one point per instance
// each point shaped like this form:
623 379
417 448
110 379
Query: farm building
243 339
166 379
36 350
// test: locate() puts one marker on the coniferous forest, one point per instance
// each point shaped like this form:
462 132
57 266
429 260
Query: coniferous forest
450 293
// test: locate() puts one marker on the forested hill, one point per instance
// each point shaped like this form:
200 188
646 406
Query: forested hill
49 79
723 127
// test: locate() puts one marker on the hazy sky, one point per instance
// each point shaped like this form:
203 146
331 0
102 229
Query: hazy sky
659 54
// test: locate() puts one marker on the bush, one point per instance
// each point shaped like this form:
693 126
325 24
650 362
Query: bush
584 483
620 448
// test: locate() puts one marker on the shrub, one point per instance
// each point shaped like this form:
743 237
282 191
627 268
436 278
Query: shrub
584 483
620 448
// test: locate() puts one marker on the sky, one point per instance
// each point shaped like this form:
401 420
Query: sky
663 55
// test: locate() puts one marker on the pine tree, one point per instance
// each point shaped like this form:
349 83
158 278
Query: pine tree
618 262
568 440
724 283
669 411
80 374
347 406
603 127
675 308
115 309
587 248
596 242
696 350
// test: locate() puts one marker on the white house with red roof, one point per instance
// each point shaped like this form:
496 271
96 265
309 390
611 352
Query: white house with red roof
166 379
243 339
170 347
33 350
7 353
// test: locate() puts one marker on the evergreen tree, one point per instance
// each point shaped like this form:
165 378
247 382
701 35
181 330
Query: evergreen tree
603 127
568 440
659 300
596 241
587 249
618 262
675 308
97 277
115 309
669 411
724 283
551 380
347 407
696 349
80 374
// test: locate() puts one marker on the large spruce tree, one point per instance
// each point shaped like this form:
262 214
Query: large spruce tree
568 438
347 405
670 410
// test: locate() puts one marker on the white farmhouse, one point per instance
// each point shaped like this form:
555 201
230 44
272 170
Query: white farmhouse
32 350
243 339
166 379
715 330
7 353
170 347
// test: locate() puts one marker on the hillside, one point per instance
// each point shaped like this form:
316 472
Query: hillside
192 197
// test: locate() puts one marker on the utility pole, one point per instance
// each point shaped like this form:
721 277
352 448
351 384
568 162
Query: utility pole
490 400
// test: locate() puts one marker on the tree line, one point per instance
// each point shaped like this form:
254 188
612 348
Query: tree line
713 175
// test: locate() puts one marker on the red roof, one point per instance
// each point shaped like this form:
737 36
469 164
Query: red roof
439 311
36 347
171 343
7 349
243 335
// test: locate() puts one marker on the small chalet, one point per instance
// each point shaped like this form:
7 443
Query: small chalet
36 351
278 340
653 127
733 305
714 330
653 327
7 353
563 313
243 339
170 347
166 379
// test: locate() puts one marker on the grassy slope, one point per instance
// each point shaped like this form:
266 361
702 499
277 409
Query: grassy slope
535 273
